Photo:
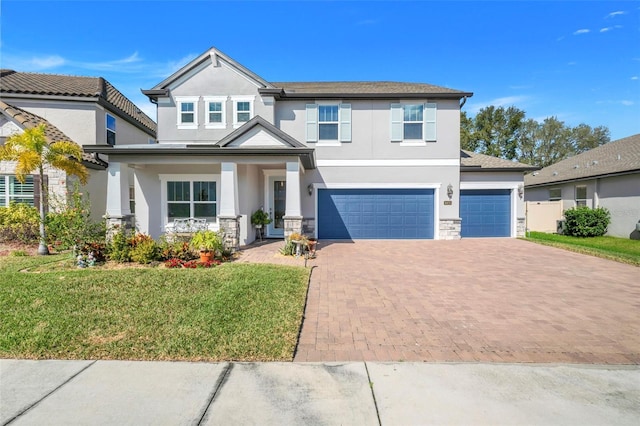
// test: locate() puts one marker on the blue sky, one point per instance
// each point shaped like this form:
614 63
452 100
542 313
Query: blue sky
578 61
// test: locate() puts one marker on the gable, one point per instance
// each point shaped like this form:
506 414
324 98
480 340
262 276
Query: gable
258 137
8 127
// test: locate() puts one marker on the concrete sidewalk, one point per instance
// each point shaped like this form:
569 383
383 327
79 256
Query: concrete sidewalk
354 393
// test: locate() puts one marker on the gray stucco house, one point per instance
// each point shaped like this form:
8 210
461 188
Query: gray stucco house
606 176
336 160
84 110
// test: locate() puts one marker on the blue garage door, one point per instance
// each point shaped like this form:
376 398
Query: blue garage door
485 213
375 214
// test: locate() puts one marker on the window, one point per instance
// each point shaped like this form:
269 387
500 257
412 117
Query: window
413 123
242 110
555 194
12 190
132 200
329 123
111 130
215 112
187 112
581 196
191 199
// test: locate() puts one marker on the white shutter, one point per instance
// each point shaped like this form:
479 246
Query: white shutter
312 123
345 122
430 110
397 121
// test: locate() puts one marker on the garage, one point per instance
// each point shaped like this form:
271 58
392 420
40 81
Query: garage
485 213
375 214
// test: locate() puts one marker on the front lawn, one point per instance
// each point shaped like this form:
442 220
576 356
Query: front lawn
619 249
243 312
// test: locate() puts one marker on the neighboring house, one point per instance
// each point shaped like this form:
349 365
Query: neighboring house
336 160
84 110
606 176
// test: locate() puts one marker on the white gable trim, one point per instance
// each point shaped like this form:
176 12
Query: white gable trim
389 163
258 137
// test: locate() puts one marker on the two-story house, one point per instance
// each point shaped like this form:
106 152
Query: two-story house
337 160
84 110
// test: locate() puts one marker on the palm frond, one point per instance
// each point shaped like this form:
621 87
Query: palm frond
27 162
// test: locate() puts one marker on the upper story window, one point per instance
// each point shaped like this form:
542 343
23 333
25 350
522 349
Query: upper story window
187 112
329 123
413 123
581 196
111 129
242 109
555 194
215 117
12 190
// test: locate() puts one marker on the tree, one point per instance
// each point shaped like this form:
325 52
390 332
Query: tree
506 133
32 152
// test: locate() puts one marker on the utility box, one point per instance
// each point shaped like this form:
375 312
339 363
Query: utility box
560 226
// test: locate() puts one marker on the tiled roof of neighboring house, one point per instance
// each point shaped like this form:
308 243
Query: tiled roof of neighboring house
614 157
365 87
13 82
470 161
52 133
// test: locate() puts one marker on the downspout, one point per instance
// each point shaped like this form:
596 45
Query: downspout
464 101
596 196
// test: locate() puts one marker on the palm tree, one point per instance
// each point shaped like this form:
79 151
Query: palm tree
32 152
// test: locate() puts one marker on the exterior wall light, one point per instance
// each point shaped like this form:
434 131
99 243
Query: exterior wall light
310 189
520 190
450 191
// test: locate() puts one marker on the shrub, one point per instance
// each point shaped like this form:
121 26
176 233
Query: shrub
19 253
175 250
144 251
207 241
586 222
19 222
71 224
119 249
99 250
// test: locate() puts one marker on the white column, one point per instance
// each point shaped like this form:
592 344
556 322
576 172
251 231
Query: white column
293 202
229 190
118 190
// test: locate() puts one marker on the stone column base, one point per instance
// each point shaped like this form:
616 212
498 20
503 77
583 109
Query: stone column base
292 224
118 223
521 228
230 228
450 229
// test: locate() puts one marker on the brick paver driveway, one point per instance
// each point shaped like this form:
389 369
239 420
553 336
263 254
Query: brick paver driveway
501 300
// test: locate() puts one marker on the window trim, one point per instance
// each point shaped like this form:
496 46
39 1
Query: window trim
344 122
187 100
164 178
236 99
429 124
559 197
215 99
581 201
107 129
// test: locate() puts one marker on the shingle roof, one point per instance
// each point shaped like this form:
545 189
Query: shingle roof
365 87
13 82
52 133
618 156
470 161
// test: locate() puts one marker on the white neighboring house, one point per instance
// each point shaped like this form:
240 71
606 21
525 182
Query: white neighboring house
84 110
606 176
335 160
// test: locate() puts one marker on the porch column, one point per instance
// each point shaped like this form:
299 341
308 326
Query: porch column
118 213
293 211
229 210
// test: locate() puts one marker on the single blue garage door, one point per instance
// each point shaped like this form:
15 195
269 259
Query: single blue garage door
485 213
375 214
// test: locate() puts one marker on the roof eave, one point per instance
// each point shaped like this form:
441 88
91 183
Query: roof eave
498 169
577 179
284 95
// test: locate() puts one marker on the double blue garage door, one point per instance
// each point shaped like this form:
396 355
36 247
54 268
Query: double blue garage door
485 213
375 213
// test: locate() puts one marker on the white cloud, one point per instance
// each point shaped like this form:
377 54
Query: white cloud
48 62
604 30
572 63
132 63
506 101
33 63
635 77
582 31
616 13
626 102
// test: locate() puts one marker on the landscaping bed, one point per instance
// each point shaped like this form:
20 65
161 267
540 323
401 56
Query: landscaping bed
241 312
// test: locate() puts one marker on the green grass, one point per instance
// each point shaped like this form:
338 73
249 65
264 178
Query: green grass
619 249
244 312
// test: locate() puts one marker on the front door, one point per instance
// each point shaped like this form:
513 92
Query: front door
277 189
